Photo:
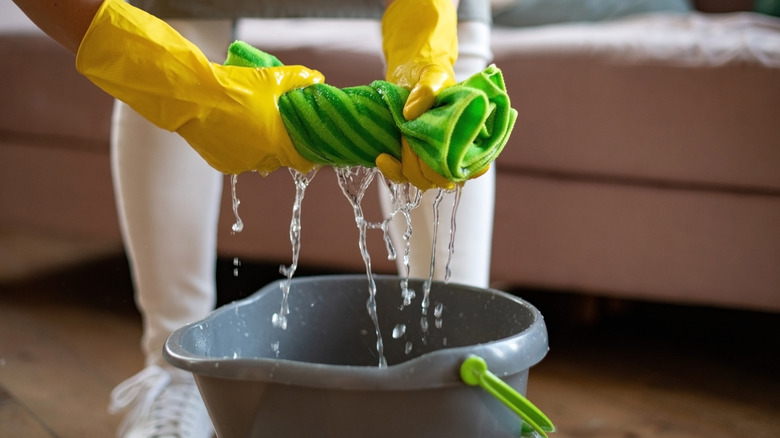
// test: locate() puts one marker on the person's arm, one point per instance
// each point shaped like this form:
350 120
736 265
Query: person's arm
64 21
228 114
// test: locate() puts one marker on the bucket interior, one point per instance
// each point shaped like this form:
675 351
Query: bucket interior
329 322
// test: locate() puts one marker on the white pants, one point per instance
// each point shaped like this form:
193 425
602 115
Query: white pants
168 200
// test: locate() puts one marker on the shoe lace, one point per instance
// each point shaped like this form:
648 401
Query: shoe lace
165 403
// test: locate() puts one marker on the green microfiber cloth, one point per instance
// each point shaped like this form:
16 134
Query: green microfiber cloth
465 130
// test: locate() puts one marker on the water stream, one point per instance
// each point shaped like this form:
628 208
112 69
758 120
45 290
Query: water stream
301 181
453 228
238 226
404 198
353 182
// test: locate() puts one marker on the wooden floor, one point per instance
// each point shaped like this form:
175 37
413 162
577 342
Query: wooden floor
621 369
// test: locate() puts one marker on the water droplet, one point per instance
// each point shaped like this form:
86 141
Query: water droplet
438 310
399 330
407 293
424 324
279 321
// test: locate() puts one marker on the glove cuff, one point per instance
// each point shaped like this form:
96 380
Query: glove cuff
142 61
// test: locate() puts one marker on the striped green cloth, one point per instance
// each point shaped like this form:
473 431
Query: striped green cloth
464 131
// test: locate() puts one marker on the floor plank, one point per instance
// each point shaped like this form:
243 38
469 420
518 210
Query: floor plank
66 389
65 341
18 421
621 379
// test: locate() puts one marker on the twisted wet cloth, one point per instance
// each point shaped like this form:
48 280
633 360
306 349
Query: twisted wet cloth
463 133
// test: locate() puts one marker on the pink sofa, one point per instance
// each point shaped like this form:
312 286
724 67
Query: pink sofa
644 163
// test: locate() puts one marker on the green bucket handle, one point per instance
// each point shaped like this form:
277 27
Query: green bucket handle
474 371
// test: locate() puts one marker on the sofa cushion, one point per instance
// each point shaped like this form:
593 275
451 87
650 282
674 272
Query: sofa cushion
673 99
45 101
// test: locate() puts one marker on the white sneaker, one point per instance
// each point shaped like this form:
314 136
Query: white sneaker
161 403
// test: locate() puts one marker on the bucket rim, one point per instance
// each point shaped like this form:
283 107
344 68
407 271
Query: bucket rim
439 368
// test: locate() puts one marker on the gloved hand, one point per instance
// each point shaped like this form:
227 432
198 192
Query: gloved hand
420 45
413 170
228 114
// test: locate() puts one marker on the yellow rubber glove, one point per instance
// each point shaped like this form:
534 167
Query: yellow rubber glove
420 44
228 114
412 170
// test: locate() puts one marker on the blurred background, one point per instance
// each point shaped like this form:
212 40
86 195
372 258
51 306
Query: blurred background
638 204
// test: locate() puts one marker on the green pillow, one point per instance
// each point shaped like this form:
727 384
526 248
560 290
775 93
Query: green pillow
526 13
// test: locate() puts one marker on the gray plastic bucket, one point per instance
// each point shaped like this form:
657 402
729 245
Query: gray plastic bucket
323 380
